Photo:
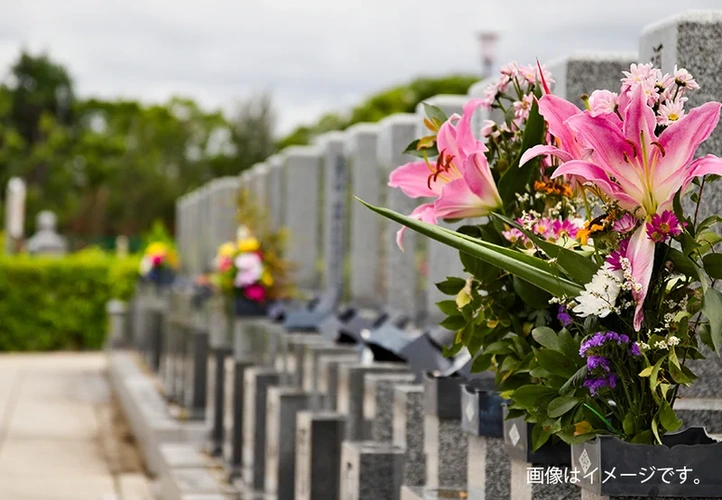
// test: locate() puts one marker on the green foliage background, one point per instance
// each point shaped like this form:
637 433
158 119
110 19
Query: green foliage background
59 303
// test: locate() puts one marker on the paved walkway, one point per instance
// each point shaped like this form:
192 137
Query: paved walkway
57 435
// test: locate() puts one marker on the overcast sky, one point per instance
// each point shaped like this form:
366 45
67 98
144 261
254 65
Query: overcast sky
313 55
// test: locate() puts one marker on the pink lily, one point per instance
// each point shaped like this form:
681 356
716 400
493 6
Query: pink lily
640 170
460 181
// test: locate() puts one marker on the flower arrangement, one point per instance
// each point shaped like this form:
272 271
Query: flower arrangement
590 285
159 262
241 269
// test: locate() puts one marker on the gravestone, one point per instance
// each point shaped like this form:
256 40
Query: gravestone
313 354
335 206
14 213
318 453
328 368
370 471
282 406
379 403
276 187
256 384
302 194
365 241
46 241
442 261
582 74
350 396
401 275
693 41
408 432
235 420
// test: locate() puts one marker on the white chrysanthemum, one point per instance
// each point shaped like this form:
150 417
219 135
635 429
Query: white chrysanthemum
600 295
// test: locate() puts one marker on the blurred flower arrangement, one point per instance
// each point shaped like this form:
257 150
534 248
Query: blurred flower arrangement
159 263
590 286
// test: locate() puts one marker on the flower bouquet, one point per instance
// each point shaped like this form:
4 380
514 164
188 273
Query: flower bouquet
242 275
159 263
591 284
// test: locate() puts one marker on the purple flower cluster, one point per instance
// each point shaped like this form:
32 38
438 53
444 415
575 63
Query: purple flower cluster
595 384
598 366
601 338
563 316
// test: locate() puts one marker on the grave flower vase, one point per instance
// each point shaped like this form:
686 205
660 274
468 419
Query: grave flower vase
686 465
518 444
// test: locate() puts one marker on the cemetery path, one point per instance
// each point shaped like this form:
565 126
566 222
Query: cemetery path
58 431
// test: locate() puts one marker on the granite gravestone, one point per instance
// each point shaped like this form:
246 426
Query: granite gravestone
408 432
401 275
302 194
379 403
14 213
370 471
327 382
46 241
581 74
442 261
318 453
276 187
365 241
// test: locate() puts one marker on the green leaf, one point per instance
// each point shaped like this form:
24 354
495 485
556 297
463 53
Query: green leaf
527 267
655 430
424 152
481 364
712 310
530 294
668 418
516 179
628 424
452 286
453 323
546 337
685 265
713 265
653 383
539 436
578 267
448 307
499 347
646 372
435 113
708 239
644 437
451 351
562 405
527 395
556 363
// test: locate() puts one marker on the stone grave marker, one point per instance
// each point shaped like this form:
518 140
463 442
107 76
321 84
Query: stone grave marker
318 453
379 403
408 432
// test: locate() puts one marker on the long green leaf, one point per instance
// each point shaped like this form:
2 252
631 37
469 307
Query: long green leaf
576 266
527 267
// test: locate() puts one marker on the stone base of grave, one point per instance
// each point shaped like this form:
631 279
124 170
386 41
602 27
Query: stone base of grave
423 493
409 432
489 469
370 471
170 447
379 403
521 489
446 460
318 455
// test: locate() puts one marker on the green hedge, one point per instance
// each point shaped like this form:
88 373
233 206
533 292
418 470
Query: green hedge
59 303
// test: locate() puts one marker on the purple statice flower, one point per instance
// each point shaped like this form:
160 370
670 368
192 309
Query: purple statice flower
594 341
596 384
634 350
597 362
612 380
563 316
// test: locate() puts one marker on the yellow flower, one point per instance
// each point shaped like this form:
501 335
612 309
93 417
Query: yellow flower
227 250
248 245
172 259
267 278
156 248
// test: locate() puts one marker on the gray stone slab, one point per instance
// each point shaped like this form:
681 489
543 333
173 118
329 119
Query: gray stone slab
181 482
700 412
313 353
351 389
370 471
295 355
328 375
182 455
379 403
256 384
282 406
424 493
303 203
234 420
522 489
580 74
489 469
318 455
365 278
401 275
446 460
409 432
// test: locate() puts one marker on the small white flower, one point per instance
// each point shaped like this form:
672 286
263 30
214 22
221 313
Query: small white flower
600 295
672 341
643 346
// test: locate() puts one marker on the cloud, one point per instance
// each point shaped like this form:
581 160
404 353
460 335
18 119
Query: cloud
315 55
